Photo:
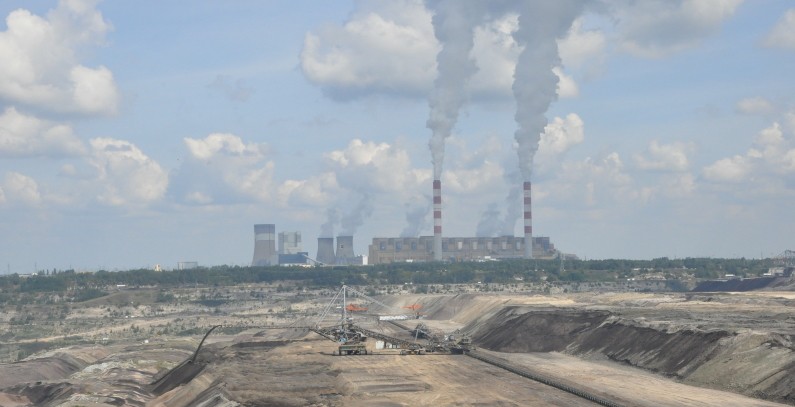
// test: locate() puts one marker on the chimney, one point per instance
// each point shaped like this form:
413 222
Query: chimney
344 250
264 245
528 222
325 250
437 220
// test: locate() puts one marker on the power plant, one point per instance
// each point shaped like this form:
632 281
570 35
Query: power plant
290 243
290 251
325 251
344 255
264 245
386 250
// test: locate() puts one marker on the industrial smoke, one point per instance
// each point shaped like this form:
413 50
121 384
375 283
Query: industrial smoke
453 25
535 85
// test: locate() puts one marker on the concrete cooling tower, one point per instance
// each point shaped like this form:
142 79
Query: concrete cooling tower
325 250
345 254
265 245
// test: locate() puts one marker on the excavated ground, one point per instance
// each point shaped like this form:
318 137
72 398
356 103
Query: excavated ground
698 349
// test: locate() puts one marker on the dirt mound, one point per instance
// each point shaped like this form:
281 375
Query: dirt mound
744 284
757 364
511 330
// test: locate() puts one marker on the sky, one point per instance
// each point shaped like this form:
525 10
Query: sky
148 132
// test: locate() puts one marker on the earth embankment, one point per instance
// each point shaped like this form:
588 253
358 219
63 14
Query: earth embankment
753 363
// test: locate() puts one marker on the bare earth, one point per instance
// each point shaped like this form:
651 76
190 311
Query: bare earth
142 360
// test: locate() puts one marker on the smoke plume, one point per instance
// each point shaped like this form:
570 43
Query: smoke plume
453 24
355 218
332 218
416 219
489 223
541 23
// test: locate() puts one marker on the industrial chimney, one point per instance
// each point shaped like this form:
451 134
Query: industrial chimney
528 222
264 245
437 220
325 250
344 250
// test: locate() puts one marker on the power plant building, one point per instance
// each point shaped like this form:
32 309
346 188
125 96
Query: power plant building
265 245
386 250
290 243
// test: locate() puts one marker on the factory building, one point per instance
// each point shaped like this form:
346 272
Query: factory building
385 250
265 254
290 243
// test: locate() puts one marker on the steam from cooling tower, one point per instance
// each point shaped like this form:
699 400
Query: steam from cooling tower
332 218
453 24
354 218
415 220
489 223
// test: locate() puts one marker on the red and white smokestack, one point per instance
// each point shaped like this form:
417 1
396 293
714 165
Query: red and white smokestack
437 220
528 222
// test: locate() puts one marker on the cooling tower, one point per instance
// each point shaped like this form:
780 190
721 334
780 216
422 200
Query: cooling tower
437 220
325 250
528 223
345 250
264 245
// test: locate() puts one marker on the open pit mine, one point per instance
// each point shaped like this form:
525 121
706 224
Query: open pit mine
263 345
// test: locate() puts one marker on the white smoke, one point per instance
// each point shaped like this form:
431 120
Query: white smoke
541 24
332 218
489 224
416 219
352 220
453 24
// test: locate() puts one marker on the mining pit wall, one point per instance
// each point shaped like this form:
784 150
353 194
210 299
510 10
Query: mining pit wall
761 365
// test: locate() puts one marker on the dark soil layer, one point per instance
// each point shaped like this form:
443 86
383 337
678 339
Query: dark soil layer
759 365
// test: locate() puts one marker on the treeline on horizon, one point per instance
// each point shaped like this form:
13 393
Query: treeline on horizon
86 285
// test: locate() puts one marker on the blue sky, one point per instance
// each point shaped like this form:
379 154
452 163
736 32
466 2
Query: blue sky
134 134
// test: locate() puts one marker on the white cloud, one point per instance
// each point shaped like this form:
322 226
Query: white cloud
591 181
20 188
562 134
225 144
317 191
368 166
567 87
582 49
755 106
223 168
473 180
27 136
770 159
730 169
665 157
126 175
782 35
40 66
389 48
656 28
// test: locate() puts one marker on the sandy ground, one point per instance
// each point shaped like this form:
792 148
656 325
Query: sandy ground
627 385
290 367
